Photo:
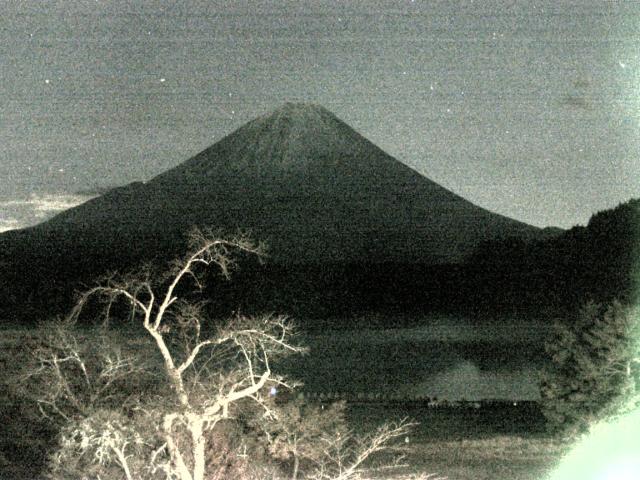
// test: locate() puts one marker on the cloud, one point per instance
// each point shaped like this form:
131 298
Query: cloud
96 190
21 213
51 204
9 223
46 204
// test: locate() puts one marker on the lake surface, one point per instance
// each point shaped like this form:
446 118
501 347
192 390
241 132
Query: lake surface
448 359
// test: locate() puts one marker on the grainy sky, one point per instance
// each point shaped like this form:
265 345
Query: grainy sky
530 109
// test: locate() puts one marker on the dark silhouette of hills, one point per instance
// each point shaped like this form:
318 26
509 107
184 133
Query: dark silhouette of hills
321 196
597 262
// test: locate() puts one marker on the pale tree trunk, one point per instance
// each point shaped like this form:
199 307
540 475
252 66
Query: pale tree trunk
122 458
296 466
296 459
174 374
180 467
197 446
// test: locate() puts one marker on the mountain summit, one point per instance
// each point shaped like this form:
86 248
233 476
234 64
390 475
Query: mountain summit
298 149
299 179
292 138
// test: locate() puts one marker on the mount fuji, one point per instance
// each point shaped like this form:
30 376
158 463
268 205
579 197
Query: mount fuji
299 179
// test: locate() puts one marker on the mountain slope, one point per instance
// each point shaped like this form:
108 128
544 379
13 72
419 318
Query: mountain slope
308 185
322 197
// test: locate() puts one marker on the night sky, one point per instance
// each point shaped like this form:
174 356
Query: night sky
529 109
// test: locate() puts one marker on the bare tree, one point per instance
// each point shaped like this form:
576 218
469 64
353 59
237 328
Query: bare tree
125 415
343 454
319 442
207 374
298 434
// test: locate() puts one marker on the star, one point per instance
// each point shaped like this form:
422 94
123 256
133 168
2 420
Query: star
47 81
